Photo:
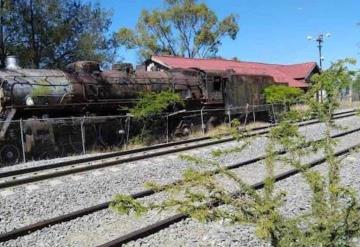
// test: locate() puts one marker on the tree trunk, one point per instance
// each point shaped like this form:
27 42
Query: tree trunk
2 43
34 45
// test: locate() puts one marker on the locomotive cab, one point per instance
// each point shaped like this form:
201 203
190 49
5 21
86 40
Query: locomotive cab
214 84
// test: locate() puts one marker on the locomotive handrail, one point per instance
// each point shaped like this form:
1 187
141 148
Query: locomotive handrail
63 97
36 84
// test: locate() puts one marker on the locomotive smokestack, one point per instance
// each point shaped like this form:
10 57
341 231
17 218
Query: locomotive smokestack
11 62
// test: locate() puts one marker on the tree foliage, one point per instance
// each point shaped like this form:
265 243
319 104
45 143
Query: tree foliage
356 83
148 113
184 28
334 215
282 94
154 103
53 33
331 81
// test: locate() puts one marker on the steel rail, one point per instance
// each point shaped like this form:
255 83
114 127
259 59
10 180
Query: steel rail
119 160
22 231
160 225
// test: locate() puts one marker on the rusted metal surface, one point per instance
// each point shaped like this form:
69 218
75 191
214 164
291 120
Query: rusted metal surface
83 82
5 125
82 89
28 86
242 90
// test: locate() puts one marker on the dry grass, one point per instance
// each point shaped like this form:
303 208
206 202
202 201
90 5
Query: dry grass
131 146
349 104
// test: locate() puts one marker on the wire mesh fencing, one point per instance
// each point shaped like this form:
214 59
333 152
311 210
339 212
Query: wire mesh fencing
36 139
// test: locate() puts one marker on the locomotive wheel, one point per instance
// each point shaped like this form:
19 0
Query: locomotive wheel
76 141
9 154
111 133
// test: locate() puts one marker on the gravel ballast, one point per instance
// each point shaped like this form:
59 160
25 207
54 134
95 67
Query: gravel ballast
105 225
28 204
298 195
70 194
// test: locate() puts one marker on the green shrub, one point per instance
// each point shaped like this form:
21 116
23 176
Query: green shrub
333 219
275 94
151 103
148 114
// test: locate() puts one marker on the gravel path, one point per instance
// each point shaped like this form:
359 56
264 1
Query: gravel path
28 204
105 225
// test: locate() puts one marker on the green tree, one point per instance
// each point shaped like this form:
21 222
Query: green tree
184 28
356 83
148 110
53 33
152 104
334 216
282 94
8 29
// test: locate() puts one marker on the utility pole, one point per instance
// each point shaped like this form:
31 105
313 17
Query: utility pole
320 40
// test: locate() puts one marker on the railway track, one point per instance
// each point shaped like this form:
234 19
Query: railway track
22 231
163 224
22 176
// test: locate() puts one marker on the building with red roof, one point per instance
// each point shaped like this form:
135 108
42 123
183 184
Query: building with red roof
294 75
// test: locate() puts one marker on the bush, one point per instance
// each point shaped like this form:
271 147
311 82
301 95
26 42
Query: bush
275 94
151 103
148 114
333 219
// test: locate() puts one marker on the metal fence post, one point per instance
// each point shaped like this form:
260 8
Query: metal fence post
273 111
229 116
351 94
202 121
128 131
22 140
83 134
167 128
246 114
253 112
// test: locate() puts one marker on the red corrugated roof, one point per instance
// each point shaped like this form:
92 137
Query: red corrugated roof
294 75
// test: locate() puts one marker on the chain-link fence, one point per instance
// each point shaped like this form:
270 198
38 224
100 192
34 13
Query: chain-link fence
34 139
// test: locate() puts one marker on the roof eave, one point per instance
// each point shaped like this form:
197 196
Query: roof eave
315 66
160 62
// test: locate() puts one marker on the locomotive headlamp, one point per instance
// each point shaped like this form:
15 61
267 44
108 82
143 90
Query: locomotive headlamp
29 101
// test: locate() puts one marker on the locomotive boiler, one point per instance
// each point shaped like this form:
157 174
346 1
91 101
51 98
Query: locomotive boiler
83 89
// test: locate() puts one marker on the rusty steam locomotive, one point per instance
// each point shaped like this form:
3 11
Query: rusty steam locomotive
83 89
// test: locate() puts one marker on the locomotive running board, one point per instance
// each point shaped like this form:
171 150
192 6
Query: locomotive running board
6 123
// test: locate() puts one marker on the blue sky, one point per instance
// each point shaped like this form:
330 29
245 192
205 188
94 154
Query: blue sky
272 31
